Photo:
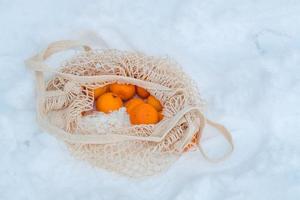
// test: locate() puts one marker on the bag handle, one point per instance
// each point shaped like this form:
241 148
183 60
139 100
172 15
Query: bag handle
225 133
204 122
158 135
155 137
62 46
36 62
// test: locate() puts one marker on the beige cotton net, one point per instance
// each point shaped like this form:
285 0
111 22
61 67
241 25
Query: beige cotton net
134 150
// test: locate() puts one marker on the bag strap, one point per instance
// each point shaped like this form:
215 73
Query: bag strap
225 133
36 63
195 127
158 135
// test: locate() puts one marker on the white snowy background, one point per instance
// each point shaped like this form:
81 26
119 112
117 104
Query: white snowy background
244 56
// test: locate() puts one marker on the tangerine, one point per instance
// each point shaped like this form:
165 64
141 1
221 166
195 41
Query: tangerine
108 102
143 114
154 102
133 103
160 116
143 93
99 91
125 91
192 144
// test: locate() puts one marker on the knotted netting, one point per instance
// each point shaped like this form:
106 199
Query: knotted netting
66 98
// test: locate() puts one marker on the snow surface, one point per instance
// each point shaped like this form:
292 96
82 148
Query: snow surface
244 56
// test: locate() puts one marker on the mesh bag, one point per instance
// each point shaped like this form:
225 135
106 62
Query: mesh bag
134 150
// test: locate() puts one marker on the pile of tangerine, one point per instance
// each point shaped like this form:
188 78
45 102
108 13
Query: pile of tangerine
142 108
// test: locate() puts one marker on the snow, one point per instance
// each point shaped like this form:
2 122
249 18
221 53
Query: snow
244 56
102 121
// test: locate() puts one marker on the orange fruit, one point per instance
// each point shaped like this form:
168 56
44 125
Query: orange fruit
108 102
154 102
143 114
133 103
99 91
142 92
192 144
160 116
125 91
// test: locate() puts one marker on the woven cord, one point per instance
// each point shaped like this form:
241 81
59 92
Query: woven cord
37 64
